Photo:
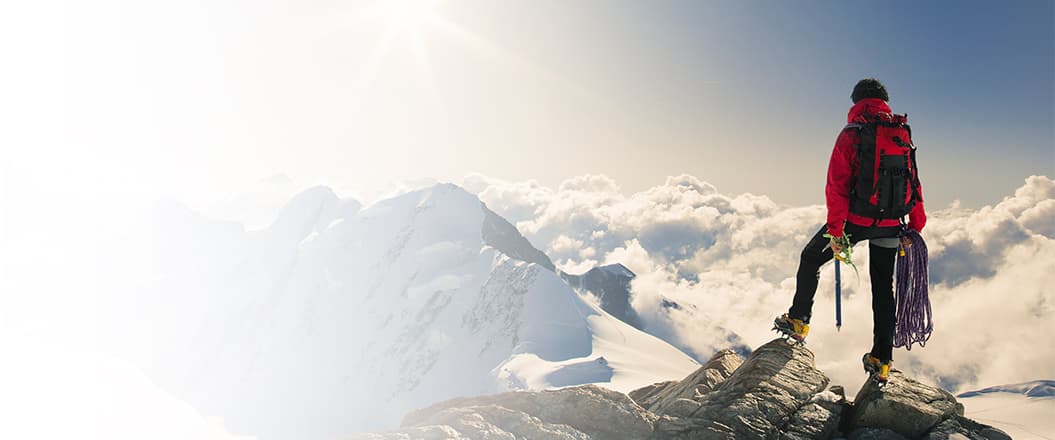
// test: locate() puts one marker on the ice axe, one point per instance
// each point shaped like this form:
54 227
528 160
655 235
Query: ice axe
844 255
838 297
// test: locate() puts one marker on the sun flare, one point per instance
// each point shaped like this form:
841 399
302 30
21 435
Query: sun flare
409 25
405 15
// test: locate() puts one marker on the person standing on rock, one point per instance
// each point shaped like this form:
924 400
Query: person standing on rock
872 185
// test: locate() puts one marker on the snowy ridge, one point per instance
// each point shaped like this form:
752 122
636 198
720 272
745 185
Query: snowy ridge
1037 388
1022 410
353 317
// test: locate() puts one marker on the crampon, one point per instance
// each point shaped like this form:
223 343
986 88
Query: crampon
878 371
792 330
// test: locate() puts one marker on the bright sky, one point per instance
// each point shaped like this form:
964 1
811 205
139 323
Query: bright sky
111 103
194 98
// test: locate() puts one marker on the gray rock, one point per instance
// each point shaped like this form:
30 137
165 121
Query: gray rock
646 396
419 433
497 423
812 421
875 434
682 407
702 381
967 428
684 428
760 399
596 412
818 419
776 393
905 406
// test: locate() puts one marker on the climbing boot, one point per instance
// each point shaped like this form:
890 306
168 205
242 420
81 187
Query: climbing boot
794 330
877 369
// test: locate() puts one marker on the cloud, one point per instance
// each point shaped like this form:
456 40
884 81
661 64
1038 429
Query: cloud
729 262
673 221
1038 218
966 245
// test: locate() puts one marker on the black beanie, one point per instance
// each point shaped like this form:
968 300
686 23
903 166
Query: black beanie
869 88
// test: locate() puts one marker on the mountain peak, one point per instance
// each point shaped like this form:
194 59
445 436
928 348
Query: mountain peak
610 284
617 269
420 297
304 212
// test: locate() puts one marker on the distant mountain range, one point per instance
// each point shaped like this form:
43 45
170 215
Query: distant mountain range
1037 388
340 318
1023 410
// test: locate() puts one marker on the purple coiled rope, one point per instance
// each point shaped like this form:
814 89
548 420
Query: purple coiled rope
914 323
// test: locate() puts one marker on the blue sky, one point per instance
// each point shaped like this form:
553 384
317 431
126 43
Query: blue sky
977 79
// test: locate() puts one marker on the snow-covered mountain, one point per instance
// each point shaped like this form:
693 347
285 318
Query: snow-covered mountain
1022 410
611 285
1037 388
339 318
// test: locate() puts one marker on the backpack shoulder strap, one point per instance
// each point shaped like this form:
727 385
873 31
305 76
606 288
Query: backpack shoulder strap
916 196
864 164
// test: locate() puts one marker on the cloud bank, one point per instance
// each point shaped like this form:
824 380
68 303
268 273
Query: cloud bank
729 263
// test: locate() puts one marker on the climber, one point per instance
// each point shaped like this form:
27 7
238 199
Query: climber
872 184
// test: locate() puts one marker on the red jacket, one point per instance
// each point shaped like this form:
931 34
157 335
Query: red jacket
841 177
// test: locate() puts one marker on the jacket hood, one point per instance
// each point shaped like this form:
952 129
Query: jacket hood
867 106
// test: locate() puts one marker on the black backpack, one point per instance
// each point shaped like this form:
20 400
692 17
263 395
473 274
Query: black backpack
886 179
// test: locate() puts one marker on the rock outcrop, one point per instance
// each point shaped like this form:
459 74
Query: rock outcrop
904 406
966 428
915 410
776 393
694 387
582 412
757 401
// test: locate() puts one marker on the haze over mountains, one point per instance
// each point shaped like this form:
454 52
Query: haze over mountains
431 294
337 319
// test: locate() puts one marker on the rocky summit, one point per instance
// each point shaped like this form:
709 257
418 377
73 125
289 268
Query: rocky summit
776 393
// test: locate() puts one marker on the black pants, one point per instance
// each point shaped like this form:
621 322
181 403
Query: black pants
880 267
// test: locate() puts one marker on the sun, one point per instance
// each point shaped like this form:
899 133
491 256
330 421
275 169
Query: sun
405 23
409 25
402 16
